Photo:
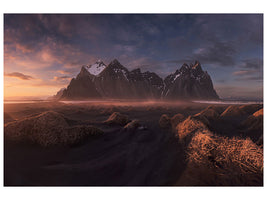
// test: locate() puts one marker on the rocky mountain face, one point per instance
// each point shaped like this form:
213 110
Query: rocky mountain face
81 87
117 82
57 96
189 82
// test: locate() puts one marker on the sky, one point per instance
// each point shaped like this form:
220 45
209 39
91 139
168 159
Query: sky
42 52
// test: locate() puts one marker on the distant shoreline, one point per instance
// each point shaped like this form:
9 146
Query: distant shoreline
133 101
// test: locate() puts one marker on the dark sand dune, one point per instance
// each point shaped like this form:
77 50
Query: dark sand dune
49 128
139 147
119 157
252 127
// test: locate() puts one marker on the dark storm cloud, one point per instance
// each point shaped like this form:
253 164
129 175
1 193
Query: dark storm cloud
19 75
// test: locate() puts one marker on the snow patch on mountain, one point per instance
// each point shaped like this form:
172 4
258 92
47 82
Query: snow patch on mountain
96 68
177 76
125 75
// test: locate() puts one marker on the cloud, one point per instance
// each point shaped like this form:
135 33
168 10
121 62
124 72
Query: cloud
252 63
251 70
23 48
221 53
250 78
19 75
217 53
225 91
242 72
221 81
64 72
248 75
61 77
124 48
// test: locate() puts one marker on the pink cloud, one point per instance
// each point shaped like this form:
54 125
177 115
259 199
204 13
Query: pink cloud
241 72
19 75
61 78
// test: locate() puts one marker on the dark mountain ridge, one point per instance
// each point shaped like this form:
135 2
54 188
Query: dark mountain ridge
117 82
189 82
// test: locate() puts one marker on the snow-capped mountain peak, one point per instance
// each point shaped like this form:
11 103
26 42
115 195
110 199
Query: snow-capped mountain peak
96 68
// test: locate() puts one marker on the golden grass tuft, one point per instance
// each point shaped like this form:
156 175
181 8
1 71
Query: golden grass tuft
131 126
189 127
258 113
117 118
209 113
233 111
214 160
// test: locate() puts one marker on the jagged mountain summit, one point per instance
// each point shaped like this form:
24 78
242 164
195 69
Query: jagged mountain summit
115 81
189 82
96 68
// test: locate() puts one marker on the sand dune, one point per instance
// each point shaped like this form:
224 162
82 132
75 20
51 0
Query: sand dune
48 128
133 144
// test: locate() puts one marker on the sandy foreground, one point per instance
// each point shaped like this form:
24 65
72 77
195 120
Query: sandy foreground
132 144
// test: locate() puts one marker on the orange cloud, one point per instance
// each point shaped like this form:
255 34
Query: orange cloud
23 49
242 72
19 75
63 72
61 78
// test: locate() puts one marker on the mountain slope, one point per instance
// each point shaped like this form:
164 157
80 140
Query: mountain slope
189 82
117 82
81 87
146 85
113 81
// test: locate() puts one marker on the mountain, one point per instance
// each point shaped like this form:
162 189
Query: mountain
189 82
113 81
96 68
81 87
57 96
117 82
146 85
